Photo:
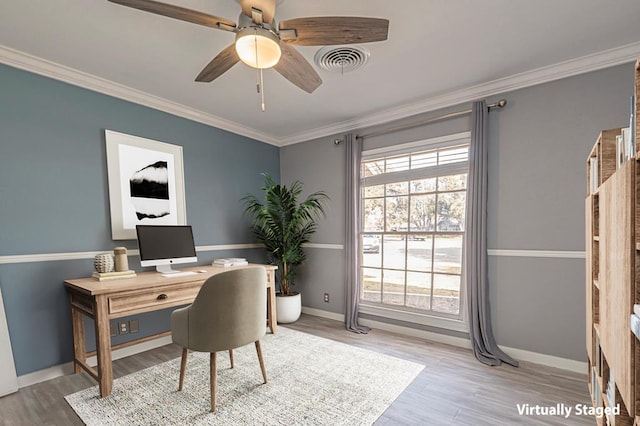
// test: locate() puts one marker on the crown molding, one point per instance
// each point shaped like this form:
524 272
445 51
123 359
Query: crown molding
36 65
597 61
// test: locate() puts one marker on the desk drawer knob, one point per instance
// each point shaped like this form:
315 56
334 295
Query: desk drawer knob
162 296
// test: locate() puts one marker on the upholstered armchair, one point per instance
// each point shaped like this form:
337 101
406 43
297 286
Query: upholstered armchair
228 312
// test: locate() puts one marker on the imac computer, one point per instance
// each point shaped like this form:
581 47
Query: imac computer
165 245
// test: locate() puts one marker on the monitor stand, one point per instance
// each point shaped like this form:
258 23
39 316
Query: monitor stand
167 272
166 269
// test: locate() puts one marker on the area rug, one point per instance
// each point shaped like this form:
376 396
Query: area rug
311 381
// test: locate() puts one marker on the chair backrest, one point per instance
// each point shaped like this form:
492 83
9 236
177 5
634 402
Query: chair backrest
229 311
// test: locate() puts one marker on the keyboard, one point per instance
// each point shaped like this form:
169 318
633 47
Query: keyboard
178 274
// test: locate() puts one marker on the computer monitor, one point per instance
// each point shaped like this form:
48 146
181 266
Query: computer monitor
165 245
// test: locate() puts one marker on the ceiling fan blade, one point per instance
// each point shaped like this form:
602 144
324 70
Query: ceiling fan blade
219 65
329 30
295 68
268 8
177 12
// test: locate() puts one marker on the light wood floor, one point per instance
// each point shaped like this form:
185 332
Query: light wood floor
453 389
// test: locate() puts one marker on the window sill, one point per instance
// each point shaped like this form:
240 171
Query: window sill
414 317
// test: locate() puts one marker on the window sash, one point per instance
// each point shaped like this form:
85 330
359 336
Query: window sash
417 146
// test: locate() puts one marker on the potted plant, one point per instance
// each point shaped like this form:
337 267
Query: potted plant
283 224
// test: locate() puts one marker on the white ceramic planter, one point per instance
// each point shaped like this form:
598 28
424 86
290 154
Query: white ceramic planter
288 308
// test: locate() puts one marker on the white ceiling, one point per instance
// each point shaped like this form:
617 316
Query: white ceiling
439 52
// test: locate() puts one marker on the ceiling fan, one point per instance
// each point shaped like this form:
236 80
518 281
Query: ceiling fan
262 43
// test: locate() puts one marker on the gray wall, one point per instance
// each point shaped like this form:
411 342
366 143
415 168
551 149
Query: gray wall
320 165
538 146
54 192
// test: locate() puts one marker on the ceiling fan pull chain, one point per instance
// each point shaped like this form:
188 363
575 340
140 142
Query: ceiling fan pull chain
260 87
262 91
255 46
260 83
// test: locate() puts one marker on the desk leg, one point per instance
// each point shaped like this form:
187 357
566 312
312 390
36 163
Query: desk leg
103 346
271 302
79 346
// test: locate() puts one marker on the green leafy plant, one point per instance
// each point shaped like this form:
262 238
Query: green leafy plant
283 225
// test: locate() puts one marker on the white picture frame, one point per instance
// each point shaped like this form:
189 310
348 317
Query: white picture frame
146 183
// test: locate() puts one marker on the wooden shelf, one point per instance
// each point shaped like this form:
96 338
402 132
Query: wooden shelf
602 394
604 154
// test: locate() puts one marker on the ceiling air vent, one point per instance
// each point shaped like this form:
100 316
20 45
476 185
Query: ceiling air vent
341 59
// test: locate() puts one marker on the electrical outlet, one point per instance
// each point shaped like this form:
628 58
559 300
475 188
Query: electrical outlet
133 326
326 297
114 328
123 327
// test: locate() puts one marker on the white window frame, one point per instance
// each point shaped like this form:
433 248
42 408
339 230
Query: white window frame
459 324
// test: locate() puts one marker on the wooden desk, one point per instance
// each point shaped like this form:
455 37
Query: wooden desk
149 291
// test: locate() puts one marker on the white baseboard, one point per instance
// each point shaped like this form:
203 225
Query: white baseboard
65 369
45 374
323 314
407 331
548 360
519 354
421 334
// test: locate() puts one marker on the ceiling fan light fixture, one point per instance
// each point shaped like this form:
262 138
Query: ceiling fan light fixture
258 47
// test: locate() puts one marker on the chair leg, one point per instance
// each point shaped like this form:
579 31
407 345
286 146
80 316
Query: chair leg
264 371
231 357
183 367
214 380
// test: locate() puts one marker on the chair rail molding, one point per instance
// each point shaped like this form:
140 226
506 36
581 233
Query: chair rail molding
537 253
47 257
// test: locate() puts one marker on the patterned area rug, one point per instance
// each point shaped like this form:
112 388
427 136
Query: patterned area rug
311 381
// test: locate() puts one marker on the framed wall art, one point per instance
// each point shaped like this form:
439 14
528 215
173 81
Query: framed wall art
146 183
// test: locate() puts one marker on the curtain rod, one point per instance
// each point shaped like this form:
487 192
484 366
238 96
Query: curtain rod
501 103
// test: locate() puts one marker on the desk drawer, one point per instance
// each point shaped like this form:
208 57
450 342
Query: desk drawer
154 299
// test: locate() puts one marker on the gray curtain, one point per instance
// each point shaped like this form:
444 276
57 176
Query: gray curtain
483 342
352 243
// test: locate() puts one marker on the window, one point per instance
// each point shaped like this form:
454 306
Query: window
412 227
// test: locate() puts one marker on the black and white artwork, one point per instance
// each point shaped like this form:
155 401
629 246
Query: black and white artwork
149 190
146 184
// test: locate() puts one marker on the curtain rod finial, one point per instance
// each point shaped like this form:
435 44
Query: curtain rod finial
500 104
